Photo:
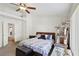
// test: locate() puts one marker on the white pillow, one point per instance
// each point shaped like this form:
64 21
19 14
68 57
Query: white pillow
47 36
51 37
38 35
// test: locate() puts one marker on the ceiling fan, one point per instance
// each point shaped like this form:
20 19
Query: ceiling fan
24 7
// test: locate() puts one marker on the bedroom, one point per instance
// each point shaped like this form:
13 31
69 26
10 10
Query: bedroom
44 20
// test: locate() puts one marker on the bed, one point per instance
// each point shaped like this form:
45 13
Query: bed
39 45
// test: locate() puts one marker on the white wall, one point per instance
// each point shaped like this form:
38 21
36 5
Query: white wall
18 28
74 37
0 33
9 15
29 25
74 6
42 23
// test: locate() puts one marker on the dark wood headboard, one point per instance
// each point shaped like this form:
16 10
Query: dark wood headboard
51 33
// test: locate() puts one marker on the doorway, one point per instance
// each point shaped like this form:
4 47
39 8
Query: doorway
11 33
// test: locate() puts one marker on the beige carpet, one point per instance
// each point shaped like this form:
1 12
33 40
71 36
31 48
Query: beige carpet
9 50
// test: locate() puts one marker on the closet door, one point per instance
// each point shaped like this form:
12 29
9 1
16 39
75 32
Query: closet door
0 34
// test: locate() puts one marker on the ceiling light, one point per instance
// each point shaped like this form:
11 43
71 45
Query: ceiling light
22 8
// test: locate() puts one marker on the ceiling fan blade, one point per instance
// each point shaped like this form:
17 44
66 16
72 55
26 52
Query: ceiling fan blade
14 4
27 11
18 9
22 4
31 8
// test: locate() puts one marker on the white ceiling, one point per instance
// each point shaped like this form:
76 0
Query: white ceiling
54 9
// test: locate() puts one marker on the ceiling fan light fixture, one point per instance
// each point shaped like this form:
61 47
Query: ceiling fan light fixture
22 8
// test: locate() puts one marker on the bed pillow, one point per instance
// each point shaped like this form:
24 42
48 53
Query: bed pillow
46 36
38 35
42 37
49 37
